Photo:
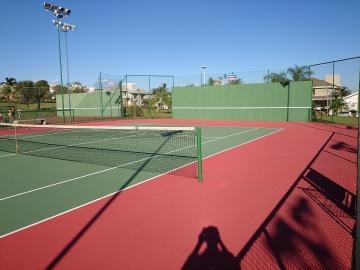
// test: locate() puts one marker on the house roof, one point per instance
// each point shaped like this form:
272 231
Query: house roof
319 83
351 95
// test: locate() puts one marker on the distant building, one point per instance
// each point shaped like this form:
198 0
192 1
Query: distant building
323 90
352 101
336 79
134 96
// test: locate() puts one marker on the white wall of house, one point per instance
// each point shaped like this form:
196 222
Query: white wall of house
352 101
322 93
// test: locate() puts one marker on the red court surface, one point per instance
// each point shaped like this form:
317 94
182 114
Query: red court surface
157 225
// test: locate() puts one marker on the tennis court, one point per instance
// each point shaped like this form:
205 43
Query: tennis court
94 198
85 174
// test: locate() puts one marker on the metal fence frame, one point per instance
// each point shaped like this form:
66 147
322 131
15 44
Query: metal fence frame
357 230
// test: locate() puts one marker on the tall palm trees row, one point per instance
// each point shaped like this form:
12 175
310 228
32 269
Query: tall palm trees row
296 73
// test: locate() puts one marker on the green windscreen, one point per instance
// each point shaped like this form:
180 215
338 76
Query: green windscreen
265 101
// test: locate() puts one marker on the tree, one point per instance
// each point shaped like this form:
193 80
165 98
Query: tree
8 88
43 91
211 81
299 73
343 92
6 92
277 77
25 90
337 103
58 89
77 87
161 96
9 82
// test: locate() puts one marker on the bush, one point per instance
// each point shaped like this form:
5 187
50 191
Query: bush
134 111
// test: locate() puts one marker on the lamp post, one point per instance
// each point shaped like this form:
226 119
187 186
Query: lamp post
204 79
59 12
66 28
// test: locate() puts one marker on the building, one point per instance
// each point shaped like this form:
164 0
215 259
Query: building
351 101
134 96
323 90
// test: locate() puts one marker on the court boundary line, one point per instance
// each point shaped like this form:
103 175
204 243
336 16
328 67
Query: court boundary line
133 186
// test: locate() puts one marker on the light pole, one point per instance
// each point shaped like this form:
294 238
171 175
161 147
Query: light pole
204 79
59 12
65 28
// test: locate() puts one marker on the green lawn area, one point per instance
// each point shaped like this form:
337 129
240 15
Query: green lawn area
32 106
352 121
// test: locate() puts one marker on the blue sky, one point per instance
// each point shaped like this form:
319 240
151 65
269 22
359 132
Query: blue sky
175 37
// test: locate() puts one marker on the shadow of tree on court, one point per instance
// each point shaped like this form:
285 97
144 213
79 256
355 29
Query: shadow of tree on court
296 233
293 240
344 146
215 256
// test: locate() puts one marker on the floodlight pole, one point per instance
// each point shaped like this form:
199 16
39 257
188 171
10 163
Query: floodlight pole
67 69
61 75
59 12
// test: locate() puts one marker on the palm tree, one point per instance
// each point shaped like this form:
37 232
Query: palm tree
9 81
277 77
211 81
6 93
343 92
337 103
8 88
299 73
161 96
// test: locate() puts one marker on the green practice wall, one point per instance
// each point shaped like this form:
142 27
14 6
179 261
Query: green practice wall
266 101
89 104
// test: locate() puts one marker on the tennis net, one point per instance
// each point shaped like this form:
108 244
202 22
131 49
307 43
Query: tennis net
154 149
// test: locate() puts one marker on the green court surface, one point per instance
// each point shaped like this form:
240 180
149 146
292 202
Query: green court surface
35 188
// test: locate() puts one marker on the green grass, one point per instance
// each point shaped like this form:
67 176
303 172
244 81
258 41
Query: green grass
352 121
32 107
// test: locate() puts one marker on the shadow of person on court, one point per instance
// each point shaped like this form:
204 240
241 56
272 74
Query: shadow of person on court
214 257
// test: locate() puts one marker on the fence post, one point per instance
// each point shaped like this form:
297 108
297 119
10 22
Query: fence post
357 238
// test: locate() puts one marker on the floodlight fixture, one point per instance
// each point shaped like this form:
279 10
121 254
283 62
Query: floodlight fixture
67 12
59 12
67 27
57 23
47 5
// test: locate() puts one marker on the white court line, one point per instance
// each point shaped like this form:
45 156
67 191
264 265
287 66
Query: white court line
8 155
112 168
132 186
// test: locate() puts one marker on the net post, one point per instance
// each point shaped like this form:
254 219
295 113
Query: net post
199 153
